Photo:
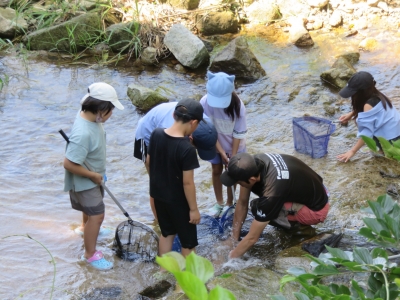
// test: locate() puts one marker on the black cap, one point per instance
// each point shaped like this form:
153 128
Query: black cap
204 138
359 81
194 109
241 167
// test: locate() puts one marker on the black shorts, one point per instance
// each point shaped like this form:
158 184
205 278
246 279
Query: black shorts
140 150
174 219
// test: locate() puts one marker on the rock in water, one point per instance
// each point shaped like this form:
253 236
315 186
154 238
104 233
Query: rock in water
316 245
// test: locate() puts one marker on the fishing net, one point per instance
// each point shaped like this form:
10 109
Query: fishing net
135 241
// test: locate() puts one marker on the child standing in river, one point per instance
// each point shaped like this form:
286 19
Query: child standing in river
374 113
228 114
87 145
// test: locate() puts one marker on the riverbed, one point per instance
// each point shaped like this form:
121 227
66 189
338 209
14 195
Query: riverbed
43 96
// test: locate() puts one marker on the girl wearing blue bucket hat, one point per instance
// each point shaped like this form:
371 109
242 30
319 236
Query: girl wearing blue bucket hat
228 114
373 112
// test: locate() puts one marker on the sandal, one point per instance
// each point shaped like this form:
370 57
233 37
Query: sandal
98 261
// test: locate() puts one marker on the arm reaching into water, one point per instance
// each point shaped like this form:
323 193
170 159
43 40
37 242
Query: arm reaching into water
349 154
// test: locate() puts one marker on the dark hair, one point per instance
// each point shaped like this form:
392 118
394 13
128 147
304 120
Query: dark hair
95 106
361 97
234 107
181 115
260 165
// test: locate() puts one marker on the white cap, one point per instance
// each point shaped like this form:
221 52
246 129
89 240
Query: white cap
105 92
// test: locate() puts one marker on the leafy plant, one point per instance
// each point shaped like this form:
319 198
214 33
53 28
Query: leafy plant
390 149
192 273
383 276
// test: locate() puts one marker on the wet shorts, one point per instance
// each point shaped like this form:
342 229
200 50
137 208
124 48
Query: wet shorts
140 150
174 219
307 216
89 202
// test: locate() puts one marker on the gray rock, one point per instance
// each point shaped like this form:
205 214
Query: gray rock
217 23
263 12
156 291
144 98
187 48
4 3
351 57
120 36
339 74
11 24
149 56
292 257
185 4
298 34
237 59
59 37
293 8
336 19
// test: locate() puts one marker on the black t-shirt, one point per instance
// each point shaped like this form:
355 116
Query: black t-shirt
373 101
284 178
169 157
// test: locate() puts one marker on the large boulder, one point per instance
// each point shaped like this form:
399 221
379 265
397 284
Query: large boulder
263 12
340 73
70 36
120 36
11 24
187 48
237 59
144 98
291 8
217 23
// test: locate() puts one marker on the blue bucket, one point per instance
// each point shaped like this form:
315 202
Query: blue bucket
311 135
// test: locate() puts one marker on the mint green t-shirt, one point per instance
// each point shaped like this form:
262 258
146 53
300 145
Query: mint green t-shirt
87 143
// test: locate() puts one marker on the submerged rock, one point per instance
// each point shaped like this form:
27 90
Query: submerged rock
317 244
237 59
340 72
187 48
144 98
156 291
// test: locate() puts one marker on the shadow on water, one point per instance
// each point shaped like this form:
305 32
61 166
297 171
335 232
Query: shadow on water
42 97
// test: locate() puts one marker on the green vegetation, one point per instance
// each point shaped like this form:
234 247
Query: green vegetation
391 150
192 273
382 279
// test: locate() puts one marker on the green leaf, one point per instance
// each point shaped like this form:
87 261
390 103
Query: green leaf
337 253
199 266
370 143
395 270
386 145
376 209
394 226
343 290
354 266
218 293
285 279
373 224
178 257
193 287
367 233
356 289
396 144
386 202
362 256
325 270
169 263
397 281
373 284
301 296
379 252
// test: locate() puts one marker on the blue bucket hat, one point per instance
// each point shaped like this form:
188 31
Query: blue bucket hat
219 89
204 138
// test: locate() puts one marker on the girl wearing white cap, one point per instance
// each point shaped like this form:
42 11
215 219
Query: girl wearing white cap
228 114
374 113
87 145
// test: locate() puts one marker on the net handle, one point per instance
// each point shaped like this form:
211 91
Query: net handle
144 226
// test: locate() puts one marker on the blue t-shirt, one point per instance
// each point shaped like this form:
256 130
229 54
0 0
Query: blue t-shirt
87 143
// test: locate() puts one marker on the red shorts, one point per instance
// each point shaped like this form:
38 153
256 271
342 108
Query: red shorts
307 216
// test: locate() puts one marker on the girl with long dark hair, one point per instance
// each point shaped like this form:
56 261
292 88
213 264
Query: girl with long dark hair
373 112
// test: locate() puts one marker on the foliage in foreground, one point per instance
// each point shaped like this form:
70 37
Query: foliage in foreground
382 278
390 149
192 273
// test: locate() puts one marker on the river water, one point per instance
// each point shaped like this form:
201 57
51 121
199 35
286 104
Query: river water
43 97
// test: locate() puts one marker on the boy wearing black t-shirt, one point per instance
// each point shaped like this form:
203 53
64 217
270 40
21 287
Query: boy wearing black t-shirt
171 159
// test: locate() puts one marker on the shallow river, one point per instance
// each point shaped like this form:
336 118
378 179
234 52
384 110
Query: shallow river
43 97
